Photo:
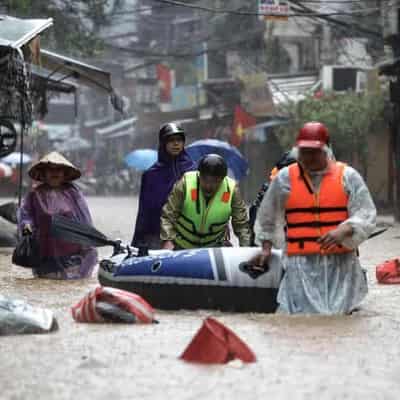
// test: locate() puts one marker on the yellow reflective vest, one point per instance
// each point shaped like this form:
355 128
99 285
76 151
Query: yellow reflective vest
203 224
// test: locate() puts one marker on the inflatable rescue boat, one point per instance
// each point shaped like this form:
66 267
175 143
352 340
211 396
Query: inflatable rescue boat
214 278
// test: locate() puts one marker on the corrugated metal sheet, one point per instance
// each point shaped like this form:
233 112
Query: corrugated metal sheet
293 89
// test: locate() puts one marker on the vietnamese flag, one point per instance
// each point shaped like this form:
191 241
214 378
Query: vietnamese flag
242 121
165 83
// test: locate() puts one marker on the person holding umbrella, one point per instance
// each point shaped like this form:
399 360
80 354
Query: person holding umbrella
157 182
200 207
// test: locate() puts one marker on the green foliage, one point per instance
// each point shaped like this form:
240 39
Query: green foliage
350 118
76 23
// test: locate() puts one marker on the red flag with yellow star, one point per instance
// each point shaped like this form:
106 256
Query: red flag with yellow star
242 121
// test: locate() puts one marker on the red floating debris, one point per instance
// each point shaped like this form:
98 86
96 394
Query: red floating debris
214 343
388 272
88 310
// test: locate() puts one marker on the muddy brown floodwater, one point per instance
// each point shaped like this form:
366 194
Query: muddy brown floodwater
354 357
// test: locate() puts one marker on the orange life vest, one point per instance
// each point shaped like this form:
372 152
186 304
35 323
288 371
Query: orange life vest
273 174
311 215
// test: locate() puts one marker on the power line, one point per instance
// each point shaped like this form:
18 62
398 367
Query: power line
353 26
219 44
310 13
142 10
322 2
138 10
222 46
303 10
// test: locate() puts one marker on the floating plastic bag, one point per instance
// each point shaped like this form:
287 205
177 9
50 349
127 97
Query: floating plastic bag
388 272
105 304
18 317
214 343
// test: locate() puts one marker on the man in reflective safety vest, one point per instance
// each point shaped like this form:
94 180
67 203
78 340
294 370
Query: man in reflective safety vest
328 211
200 206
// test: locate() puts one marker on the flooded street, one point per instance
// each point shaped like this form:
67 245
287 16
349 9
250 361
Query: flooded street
354 357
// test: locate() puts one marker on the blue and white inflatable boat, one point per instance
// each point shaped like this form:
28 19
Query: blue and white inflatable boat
215 278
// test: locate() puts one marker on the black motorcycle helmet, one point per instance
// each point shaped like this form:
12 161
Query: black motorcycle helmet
213 165
170 129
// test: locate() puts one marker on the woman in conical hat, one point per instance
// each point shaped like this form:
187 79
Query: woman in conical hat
54 160
56 195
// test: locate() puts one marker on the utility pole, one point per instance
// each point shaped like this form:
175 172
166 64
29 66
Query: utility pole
393 71
327 56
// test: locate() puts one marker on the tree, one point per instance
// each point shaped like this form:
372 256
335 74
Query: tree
349 117
76 23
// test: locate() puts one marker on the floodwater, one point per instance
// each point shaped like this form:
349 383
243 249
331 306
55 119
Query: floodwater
353 357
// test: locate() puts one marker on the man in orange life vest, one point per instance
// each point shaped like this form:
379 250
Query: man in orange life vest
328 211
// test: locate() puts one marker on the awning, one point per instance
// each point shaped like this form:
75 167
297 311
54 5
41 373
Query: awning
260 131
57 132
16 32
92 123
73 144
86 74
118 126
184 121
52 82
271 123
126 132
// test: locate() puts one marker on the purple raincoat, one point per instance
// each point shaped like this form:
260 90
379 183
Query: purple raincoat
157 182
58 259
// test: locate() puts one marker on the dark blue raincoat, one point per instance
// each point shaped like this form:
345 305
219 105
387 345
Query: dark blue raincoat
157 183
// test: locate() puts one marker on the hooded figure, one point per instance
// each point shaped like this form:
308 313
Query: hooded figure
56 195
157 183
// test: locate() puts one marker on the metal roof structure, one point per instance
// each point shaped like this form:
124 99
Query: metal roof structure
53 82
126 127
285 89
16 32
86 74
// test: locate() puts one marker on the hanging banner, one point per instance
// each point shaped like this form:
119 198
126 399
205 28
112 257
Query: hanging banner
165 82
279 9
186 97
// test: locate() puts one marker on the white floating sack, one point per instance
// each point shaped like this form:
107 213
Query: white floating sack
19 317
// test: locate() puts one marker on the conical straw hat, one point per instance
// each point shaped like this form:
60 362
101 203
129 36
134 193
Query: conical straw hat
54 158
